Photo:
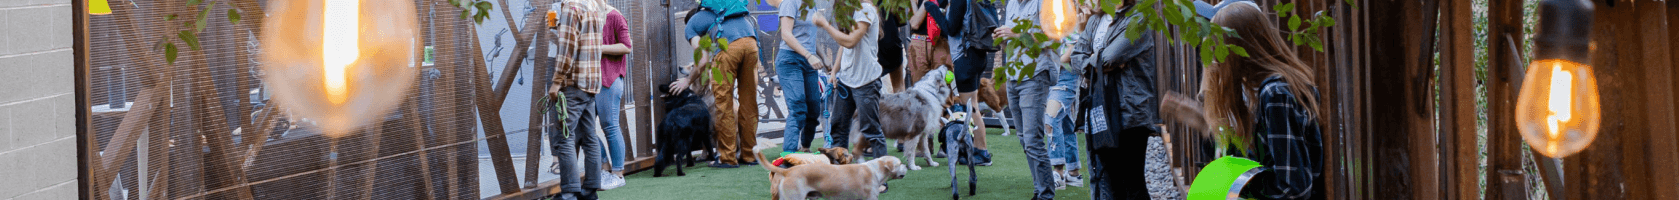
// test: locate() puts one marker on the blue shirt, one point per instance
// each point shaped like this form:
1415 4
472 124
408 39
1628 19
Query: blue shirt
732 28
803 30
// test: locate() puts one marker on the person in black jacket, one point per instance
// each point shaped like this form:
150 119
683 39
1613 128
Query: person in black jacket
1121 104
968 63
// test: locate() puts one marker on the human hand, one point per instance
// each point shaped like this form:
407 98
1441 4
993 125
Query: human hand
820 22
679 85
815 61
1003 32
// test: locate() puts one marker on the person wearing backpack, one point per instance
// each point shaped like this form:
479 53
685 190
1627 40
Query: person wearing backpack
735 125
971 49
1028 88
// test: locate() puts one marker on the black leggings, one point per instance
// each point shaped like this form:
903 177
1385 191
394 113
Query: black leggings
1116 173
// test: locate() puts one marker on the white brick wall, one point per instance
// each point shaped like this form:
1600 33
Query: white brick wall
37 100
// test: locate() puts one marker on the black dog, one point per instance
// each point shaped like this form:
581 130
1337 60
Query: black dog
687 126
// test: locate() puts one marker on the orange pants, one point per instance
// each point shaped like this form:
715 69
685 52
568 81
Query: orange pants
736 131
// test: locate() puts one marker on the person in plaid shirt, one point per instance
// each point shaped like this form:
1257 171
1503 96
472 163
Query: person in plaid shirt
1269 95
576 26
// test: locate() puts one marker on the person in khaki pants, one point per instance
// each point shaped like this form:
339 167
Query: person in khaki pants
735 125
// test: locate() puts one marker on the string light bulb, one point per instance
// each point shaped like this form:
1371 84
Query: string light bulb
1558 110
339 63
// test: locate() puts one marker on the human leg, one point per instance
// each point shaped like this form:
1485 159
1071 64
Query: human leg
607 105
797 80
746 73
867 102
844 106
579 136
723 122
968 70
1028 96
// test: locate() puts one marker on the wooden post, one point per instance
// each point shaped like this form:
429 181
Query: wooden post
540 79
1632 62
1505 177
412 118
1457 111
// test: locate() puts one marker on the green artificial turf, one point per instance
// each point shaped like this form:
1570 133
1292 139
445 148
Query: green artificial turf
1006 178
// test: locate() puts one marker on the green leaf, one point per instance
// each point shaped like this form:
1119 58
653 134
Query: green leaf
484 6
1353 3
722 44
454 2
171 17
190 38
1221 52
697 55
465 14
1327 21
1294 23
1283 8
203 17
1206 55
194 2
169 52
1313 40
233 16
1238 50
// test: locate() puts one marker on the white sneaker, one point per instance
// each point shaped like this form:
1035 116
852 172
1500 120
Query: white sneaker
1074 181
1059 184
610 181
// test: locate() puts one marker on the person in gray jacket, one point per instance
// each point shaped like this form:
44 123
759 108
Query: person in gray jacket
1120 105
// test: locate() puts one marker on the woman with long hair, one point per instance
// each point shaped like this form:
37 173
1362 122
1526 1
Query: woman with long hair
1269 96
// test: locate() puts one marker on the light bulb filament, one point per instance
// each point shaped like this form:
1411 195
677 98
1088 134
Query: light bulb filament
339 46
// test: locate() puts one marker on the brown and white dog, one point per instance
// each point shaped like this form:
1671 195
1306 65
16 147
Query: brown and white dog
853 181
913 116
828 156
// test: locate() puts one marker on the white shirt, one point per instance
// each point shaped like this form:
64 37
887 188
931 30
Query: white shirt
861 63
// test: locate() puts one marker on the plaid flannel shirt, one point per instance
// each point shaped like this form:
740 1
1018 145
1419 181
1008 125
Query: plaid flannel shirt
578 57
1292 144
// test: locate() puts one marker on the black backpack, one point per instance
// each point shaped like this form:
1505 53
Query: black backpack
982 18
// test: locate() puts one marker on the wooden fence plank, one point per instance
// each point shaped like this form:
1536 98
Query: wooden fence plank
1458 110
1505 176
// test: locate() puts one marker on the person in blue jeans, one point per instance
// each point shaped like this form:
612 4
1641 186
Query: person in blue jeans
799 85
796 65
1063 143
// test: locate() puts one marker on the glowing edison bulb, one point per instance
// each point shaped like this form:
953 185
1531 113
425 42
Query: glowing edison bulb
1558 109
339 46
1561 88
1058 16
322 60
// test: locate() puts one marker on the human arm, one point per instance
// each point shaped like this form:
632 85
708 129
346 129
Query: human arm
954 15
1291 144
848 40
793 43
918 17
1184 110
618 26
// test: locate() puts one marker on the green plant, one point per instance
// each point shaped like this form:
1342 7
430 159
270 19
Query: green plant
189 29
709 47
467 6
842 11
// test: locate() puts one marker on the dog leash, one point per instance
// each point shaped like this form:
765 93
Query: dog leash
558 107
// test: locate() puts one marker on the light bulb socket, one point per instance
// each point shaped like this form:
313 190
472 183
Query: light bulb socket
1564 31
